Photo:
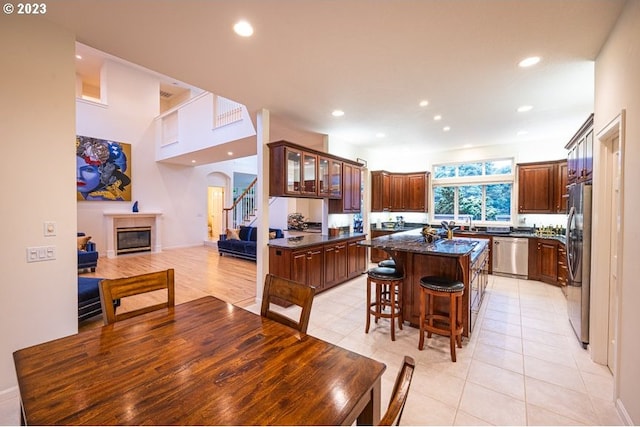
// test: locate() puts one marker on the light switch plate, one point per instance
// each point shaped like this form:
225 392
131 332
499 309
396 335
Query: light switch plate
49 228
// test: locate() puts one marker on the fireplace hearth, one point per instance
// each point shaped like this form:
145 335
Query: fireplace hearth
133 239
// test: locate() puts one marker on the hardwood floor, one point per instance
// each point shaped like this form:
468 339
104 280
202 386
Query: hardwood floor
199 271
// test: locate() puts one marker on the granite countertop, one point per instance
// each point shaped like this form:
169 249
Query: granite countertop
413 241
310 240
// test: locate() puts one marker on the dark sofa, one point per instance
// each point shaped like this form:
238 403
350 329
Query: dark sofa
88 256
245 247
89 298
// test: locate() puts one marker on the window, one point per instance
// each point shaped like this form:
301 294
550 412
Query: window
481 191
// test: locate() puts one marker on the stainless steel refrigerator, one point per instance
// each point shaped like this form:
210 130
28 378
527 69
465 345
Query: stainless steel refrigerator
579 259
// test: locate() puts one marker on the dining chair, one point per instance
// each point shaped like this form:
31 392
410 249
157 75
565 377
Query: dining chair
399 394
114 289
290 292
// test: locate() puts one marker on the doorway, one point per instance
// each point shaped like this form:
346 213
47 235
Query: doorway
215 204
610 236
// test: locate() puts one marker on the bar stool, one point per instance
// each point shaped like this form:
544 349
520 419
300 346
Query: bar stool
388 295
451 325
390 263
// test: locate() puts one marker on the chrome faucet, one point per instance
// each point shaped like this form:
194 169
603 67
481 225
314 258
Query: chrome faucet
470 223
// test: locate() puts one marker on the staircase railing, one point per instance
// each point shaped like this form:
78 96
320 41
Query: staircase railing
243 207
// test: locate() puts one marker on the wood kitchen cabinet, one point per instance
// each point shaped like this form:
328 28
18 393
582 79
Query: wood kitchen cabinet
544 260
307 267
399 192
321 265
380 191
351 201
335 264
356 259
329 177
580 157
297 171
542 188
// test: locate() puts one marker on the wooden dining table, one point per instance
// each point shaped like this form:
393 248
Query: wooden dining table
204 362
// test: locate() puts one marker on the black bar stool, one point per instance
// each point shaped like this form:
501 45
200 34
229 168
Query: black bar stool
390 263
451 325
388 297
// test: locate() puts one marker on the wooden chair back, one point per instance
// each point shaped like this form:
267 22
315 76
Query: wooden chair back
399 394
291 292
113 289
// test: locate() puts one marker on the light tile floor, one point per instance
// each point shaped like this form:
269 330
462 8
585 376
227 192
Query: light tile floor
522 365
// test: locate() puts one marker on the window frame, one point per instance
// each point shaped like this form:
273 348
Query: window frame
481 180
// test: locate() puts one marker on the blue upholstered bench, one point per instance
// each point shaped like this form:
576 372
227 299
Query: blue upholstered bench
89 298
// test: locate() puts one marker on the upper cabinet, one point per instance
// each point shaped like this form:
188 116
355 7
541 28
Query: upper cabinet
297 171
542 187
351 201
399 192
580 157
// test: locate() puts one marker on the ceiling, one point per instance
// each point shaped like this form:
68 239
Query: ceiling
373 59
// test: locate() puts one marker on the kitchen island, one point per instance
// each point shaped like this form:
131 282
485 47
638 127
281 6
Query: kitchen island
318 260
463 259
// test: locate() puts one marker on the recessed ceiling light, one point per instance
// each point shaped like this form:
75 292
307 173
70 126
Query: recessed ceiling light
467 146
446 128
528 62
524 108
337 113
193 161
243 29
437 117
229 153
380 135
78 56
424 103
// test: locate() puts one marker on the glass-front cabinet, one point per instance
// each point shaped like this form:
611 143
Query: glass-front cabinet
297 171
293 171
329 178
309 178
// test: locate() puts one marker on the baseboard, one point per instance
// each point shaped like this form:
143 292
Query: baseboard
10 407
8 394
624 415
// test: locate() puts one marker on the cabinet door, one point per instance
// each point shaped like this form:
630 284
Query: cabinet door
415 193
299 267
536 188
572 165
376 191
396 195
561 191
293 171
315 267
548 261
534 265
330 271
356 259
324 179
335 179
309 174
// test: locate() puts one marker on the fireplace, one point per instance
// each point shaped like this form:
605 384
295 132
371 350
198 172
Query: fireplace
133 239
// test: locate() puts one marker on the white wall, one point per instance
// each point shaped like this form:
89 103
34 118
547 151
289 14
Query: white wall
179 192
617 88
38 301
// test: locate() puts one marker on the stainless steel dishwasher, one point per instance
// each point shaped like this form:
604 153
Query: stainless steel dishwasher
511 256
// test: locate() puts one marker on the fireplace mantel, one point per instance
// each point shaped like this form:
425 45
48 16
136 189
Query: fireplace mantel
115 219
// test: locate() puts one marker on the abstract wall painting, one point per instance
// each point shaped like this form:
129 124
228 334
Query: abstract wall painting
103 169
